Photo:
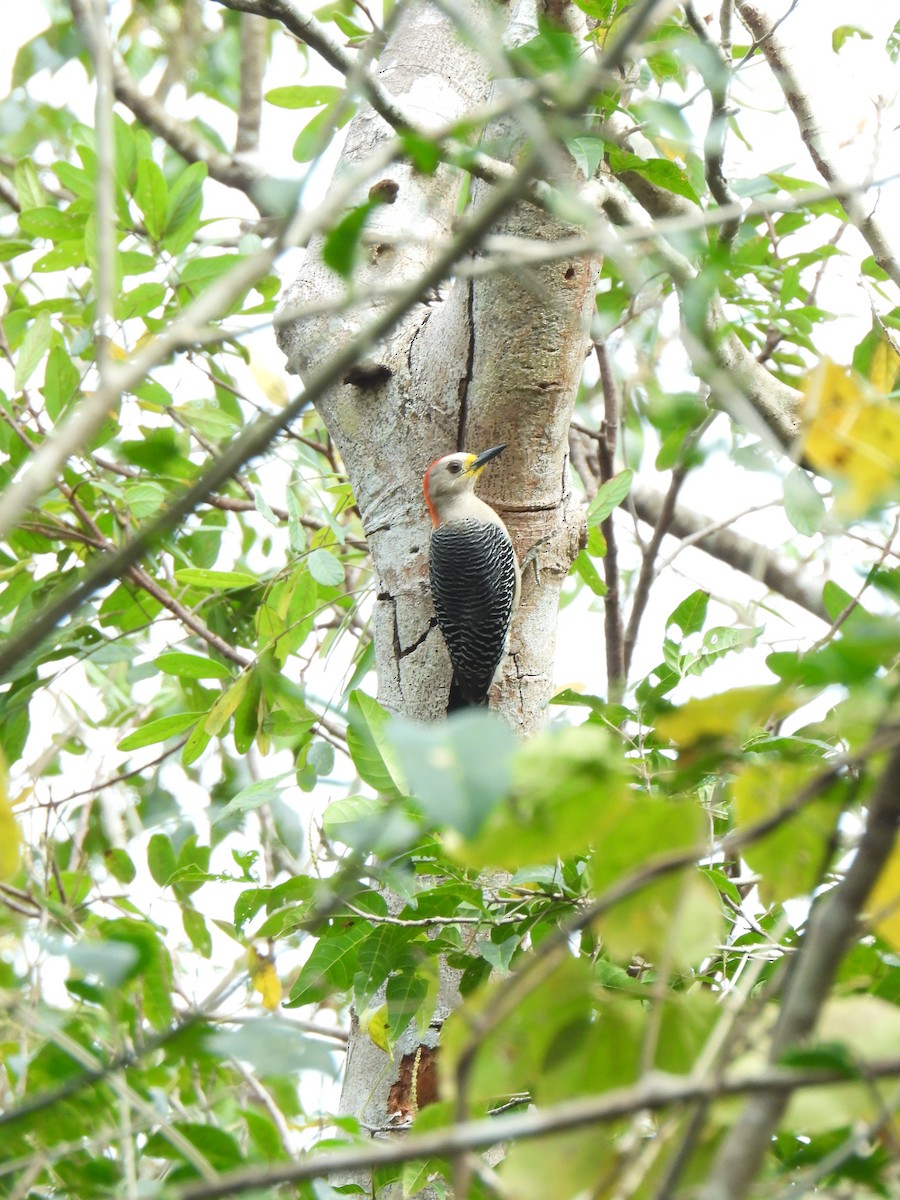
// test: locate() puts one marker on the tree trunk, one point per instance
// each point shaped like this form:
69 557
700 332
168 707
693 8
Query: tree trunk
496 358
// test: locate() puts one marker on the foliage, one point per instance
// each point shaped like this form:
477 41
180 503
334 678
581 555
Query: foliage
207 816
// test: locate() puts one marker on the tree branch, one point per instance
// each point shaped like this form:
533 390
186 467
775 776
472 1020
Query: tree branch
661 526
179 136
255 438
480 1134
716 79
832 927
254 36
616 659
732 548
763 29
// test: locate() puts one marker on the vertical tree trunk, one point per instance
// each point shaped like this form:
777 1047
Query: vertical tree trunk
497 358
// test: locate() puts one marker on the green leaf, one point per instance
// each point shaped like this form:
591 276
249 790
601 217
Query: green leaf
834 599
660 171
718 642
75 179
332 965
609 497
405 995
325 568
320 757
273 1046
159 730
191 666
349 28
255 795
249 714
690 614
184 193
12 247
840 35
57 225
151 195
790 860
303 97
423 153
339 250
583 567
216 1146
370 746
61 381
369 823
144 499
197 931
139 301
161 858
223 709
119 865
567 786
220 581
28 187
458 769
588 154
313 139
34 346
185 207
803 506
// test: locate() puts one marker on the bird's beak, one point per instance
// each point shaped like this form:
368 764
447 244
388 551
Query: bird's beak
485 457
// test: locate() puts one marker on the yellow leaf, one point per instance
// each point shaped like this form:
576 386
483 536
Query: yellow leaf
224 707
883 904
264 978
884 367
734 713
852 435
9 830
271 385
788 860
375 1024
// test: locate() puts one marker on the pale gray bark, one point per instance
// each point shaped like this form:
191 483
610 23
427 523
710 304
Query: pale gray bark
497 359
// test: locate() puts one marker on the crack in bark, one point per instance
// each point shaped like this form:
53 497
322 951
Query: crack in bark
470 368
395 637
420 641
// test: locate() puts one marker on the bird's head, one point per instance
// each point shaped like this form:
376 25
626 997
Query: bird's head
452 476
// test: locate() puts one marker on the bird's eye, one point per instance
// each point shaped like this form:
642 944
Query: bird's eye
454 468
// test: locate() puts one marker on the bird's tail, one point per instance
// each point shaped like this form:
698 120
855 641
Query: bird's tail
464 698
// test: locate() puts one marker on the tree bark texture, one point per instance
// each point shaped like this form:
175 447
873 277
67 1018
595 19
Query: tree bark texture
491 359
495 358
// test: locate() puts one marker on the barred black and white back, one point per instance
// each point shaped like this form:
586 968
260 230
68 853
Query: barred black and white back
474 583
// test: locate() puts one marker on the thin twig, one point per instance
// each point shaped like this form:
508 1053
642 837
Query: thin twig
763 30
612 601
179 136
648 562
716 80
739 552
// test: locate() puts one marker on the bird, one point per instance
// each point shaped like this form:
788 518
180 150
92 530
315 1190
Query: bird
474 574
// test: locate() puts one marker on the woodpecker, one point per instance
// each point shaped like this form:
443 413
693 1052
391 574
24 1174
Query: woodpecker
475 579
